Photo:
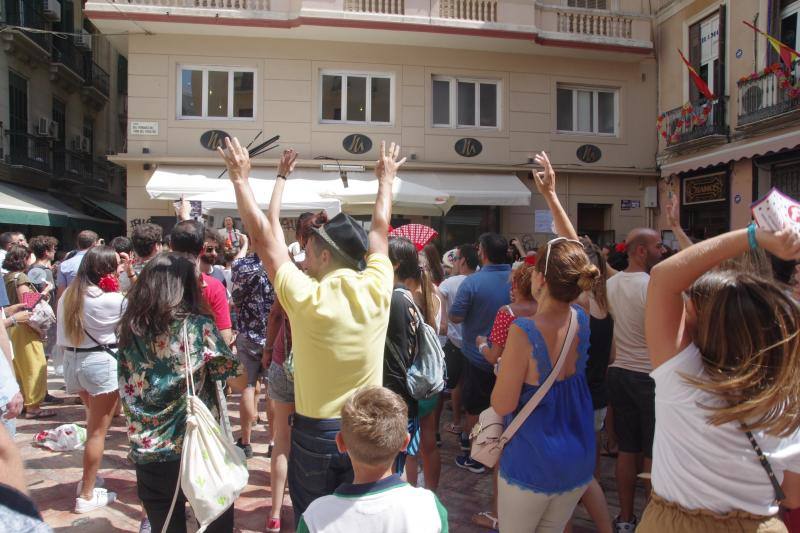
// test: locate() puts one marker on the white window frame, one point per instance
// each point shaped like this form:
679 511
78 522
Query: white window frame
231 70
595 110
787 12
368 111
454 81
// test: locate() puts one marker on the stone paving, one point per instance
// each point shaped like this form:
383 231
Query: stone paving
52 480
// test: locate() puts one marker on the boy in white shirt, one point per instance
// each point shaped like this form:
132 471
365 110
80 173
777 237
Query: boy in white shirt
374 430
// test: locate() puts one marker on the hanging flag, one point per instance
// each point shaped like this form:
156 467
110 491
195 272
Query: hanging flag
699 82
788 54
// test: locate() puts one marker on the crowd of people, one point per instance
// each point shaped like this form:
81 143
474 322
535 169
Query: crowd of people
684 365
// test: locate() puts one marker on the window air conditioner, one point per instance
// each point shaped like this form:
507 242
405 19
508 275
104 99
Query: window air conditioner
51 9
84 40
43 128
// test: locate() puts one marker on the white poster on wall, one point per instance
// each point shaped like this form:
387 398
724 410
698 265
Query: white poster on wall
543 221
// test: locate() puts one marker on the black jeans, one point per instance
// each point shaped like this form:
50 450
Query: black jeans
316 468
155 483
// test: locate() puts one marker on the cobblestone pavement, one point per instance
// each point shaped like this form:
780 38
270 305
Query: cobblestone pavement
52 478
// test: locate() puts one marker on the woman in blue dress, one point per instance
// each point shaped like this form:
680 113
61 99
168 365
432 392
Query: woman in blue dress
547 465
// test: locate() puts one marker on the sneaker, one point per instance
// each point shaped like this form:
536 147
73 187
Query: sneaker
98 483
100 498
464 442
624 527
144 526
466 462
274 525
52 400
246 448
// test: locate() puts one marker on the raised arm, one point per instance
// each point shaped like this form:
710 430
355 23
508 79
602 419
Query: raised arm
664 316
385 171
546 185
244 247
285 168
673 218
271 250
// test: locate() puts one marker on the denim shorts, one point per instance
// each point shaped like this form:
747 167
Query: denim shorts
280 388
249 354
93 372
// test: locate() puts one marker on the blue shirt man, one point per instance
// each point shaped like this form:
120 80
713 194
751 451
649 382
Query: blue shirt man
477 301
68 269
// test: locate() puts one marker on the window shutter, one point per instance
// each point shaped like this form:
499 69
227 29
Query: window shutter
694 58
719 75
773 29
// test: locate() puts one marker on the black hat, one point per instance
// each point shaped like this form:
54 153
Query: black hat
347 238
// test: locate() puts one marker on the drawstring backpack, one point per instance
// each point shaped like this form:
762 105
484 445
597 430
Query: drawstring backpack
213 470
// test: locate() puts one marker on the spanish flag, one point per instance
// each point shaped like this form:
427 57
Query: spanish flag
699 82
788 54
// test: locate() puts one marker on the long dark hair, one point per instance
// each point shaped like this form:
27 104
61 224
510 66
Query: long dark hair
167 289
434 263
403 255
99 261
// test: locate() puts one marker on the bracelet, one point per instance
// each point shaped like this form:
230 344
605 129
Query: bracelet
281 176
751 236
13 321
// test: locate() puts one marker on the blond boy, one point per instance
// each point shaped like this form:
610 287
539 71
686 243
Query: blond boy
374 431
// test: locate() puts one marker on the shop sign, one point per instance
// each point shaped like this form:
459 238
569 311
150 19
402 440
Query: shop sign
468 147
704 189
357 144
589 153
144 128
212 139
627 205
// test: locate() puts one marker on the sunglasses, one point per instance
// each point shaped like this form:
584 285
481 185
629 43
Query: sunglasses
550 243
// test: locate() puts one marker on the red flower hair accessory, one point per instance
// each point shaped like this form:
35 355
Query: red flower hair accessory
530 260
109 283
621 247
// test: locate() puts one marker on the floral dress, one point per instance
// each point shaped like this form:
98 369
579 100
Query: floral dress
152 385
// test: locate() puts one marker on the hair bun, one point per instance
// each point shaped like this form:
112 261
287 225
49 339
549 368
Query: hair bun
588 277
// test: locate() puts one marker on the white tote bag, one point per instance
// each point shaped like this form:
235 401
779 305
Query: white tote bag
213 469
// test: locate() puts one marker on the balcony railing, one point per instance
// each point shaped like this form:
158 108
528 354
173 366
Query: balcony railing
386 7
245 5
27 16
97 77
768 94
65 52
700 120
478 10
593 23
29 150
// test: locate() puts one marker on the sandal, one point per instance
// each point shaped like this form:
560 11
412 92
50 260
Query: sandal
453 428
41 413
484 519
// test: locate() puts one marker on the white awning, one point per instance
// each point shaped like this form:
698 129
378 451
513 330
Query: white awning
474 189
307 190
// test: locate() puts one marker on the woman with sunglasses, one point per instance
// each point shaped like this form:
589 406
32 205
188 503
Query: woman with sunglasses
546 467
725 347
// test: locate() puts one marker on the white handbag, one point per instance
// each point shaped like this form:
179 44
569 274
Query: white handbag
213 470
488 437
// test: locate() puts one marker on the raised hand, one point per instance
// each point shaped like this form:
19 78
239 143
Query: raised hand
545 180
237 159
784 243
287 162
183 209
673 211
387 165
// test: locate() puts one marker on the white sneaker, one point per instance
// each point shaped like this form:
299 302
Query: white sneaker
100 498
98 483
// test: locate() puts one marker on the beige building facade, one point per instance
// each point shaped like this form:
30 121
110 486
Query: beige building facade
721 160
62 114
470 89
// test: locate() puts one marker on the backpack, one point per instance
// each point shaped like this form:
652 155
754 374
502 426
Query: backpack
425 377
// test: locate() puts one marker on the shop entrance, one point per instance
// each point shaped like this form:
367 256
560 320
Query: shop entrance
705 209
594 220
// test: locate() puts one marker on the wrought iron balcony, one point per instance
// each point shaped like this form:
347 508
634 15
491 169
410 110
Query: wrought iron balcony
26 45
28 150
769 97
97 78
68 64
693 123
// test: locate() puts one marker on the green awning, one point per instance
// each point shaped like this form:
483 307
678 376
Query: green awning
115 210
29 207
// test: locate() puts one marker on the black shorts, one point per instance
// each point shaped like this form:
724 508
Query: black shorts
476 394
632 396
454 361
